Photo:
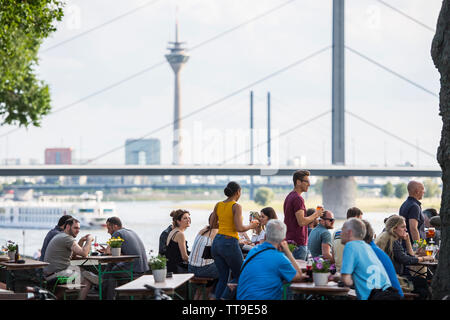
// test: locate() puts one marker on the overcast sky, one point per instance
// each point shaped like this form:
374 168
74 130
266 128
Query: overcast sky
230 64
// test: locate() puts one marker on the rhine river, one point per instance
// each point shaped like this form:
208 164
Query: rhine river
148 219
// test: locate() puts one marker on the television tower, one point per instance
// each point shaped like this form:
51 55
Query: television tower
177 58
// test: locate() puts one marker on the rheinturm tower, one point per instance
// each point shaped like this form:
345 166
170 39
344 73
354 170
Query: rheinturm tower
177 58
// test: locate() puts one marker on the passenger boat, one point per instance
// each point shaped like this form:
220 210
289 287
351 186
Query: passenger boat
45 211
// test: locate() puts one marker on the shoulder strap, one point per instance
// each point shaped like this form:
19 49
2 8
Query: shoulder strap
248 260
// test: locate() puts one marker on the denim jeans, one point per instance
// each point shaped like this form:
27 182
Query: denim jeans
301 253
207 271
228 257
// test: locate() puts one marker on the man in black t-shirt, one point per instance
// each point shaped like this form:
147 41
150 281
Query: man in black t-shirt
411 210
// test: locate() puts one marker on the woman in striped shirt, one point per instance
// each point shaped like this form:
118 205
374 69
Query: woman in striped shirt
200 265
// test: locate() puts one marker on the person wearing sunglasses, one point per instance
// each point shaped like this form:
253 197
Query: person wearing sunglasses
319 241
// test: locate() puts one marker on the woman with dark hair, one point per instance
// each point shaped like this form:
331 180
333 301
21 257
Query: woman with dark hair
265 216
177 250
201 263
225 248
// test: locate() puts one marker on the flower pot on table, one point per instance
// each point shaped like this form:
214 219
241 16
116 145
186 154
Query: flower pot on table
11 255
159 275
320 278
115 251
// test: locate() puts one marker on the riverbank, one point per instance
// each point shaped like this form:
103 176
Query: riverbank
365 204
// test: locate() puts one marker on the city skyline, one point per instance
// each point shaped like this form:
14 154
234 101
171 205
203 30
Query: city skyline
294 31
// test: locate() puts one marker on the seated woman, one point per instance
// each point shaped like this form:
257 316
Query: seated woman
177 250
201 263
265 216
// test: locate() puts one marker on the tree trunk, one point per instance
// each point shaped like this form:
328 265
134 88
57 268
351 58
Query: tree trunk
440 52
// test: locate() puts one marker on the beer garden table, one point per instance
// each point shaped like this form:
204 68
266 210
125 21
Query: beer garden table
426 269
29 264
138 286
331 289
105 259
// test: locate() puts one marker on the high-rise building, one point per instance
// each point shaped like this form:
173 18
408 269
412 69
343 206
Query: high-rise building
58 156
142 151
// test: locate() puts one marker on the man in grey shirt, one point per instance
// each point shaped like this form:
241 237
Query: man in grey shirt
131 246
319 241
61 248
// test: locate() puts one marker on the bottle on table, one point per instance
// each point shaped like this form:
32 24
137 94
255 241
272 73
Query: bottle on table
16 256
309 272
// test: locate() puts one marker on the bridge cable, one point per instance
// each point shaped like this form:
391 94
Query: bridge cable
298 126
162 62
434 94
167 125
407 16
391 134
115 19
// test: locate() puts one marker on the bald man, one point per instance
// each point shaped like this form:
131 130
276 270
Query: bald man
411 210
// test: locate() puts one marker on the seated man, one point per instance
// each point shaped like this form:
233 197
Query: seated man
57 229
263 275
131 246
360 265
61 248
319 241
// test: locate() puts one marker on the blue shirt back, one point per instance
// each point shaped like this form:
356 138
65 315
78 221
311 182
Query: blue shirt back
262 278
388 266
367 271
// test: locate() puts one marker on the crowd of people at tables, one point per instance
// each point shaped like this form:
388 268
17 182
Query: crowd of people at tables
219 248
358 254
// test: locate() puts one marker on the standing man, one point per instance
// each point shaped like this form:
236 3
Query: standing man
360 265
319 242
57 229
131 246
295 214
411 210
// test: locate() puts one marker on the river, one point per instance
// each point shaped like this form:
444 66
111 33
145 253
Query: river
148 219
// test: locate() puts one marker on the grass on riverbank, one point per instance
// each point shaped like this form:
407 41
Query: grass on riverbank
365 204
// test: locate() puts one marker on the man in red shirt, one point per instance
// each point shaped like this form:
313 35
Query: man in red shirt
295 215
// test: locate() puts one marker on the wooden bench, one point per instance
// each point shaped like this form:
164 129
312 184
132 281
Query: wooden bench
70 288
198 283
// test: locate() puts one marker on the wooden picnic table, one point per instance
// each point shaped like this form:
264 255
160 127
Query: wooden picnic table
137 287
13 266
4 257
105 259
425 268
309 288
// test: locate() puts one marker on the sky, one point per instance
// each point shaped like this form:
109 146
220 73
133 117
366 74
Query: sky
95 121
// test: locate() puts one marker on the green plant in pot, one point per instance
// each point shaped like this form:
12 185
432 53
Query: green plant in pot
158 266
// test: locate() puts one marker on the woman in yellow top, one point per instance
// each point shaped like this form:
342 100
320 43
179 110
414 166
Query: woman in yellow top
225 248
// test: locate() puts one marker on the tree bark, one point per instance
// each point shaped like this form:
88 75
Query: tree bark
440 52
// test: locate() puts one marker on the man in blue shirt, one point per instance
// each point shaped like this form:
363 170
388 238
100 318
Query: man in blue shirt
262 277
57 229
360 265
383 257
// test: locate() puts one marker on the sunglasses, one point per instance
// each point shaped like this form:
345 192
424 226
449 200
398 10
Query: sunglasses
329 219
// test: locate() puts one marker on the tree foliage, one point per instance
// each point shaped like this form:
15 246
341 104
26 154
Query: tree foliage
401 190
431 189
387 190
24 99
263 196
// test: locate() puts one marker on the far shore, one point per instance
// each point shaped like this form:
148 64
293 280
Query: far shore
365 204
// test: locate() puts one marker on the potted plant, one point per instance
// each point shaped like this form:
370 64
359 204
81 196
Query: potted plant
321 269
12 248
158 266
115 244
292 245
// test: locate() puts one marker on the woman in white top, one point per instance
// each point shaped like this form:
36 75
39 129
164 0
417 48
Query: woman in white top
265 215
201 264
